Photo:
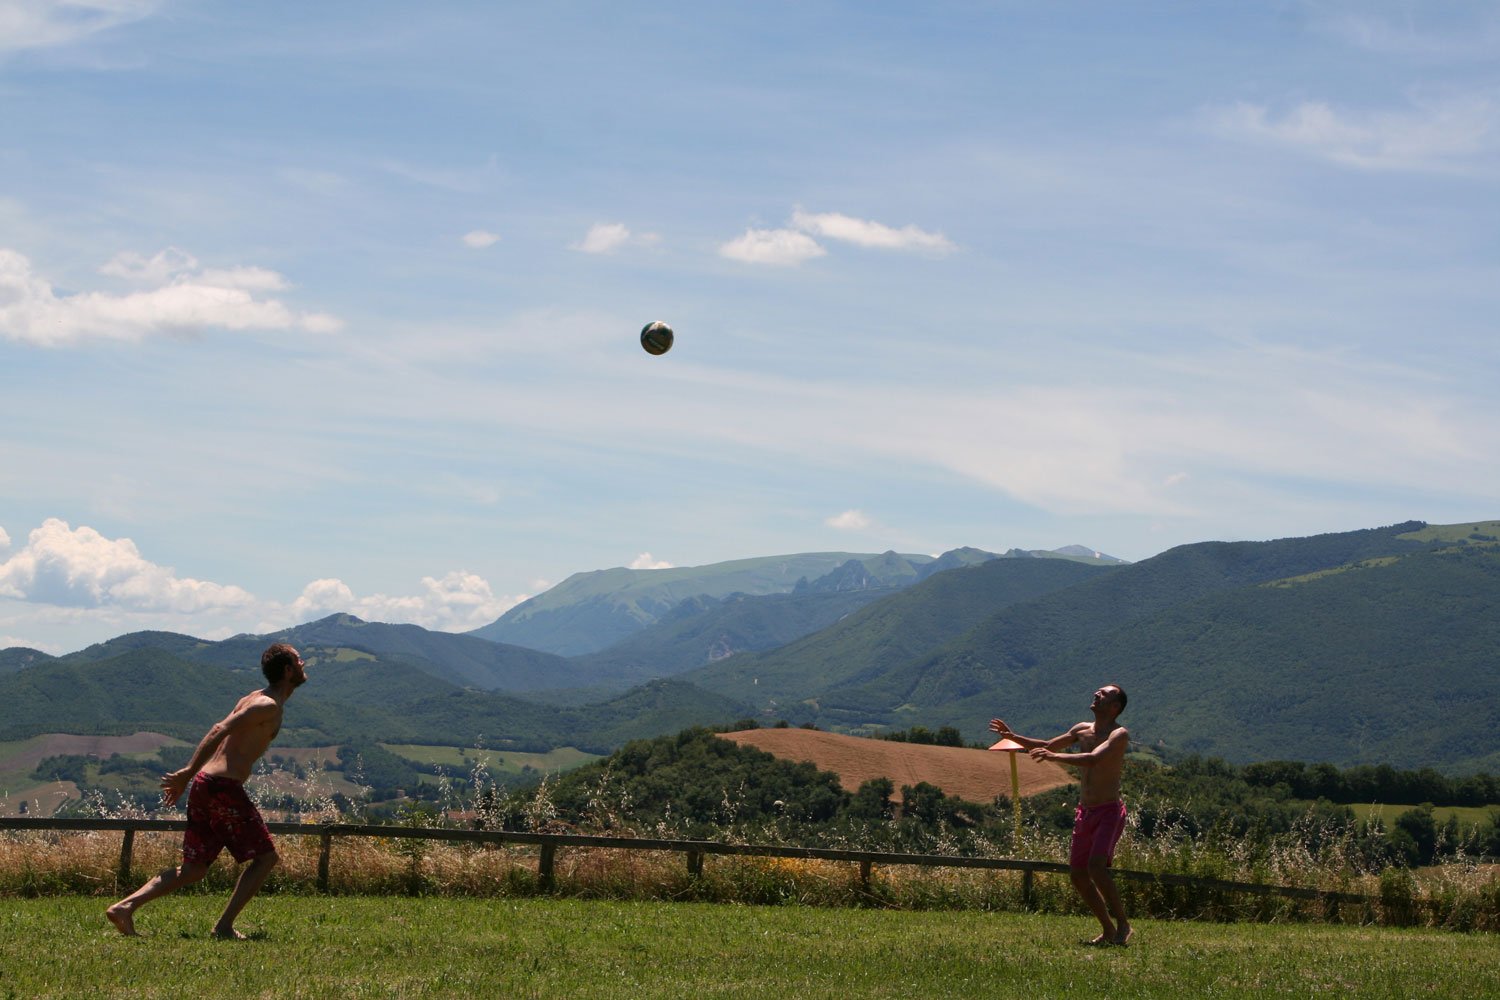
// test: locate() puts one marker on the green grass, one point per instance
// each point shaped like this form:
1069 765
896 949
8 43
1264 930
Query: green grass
1454 532
497 762
396 947
1467 815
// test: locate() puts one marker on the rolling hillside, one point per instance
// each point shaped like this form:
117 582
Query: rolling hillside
888 634
588 612
351 695
1025 634
705 630
1363 647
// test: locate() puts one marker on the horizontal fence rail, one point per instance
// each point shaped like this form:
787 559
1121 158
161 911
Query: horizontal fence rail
694 849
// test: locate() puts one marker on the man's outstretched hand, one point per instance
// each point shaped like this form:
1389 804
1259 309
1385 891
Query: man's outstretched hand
173 785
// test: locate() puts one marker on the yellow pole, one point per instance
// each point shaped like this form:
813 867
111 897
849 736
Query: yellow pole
1015 798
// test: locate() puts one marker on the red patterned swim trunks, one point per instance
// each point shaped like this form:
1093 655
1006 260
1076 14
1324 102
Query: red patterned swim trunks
221 815
1096 831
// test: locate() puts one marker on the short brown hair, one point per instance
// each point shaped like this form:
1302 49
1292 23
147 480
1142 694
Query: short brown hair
1122 699
275 661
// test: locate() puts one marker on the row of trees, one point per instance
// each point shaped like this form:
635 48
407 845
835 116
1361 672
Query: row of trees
1371 783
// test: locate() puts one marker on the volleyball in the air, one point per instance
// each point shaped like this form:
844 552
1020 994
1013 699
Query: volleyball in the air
656 338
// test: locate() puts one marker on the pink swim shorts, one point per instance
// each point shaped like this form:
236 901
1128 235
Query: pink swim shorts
1096 831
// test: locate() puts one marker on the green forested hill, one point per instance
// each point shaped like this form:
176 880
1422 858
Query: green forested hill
1365 647
1020 637
351 695
888 634
143 689
465 660
704 630
591 611
20 657
1388 661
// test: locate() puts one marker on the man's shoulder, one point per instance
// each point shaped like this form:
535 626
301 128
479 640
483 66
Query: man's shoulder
257 703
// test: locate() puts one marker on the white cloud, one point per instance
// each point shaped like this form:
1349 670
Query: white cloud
1449 33
78 586
866 233
779 247
603 237
1431 135
157 270
851 520
479 239
645 561
28 24
4 540
457 602
81 568
185 299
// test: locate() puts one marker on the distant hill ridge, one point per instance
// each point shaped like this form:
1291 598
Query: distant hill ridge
1362 647
589 612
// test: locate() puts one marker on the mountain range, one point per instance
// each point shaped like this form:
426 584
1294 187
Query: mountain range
1368 646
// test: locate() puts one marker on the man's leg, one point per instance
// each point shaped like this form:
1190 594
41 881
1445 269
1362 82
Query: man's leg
1095 902
251 879
1109 893
122 914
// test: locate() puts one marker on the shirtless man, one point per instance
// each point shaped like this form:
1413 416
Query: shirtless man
219 812
1100 818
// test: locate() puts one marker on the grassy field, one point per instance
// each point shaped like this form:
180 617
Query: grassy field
307 947
500 763
1454 532
1467 815
19 758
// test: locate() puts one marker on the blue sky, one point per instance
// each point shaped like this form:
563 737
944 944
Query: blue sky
321 307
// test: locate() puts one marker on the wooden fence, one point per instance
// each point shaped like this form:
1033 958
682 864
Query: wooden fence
695 851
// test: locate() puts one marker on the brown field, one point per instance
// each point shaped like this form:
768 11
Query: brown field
19 759
32 752
973 775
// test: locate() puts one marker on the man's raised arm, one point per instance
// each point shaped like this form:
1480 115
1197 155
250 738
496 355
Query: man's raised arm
1027 743
1113 747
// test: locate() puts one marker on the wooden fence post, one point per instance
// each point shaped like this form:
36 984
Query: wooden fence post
1028 890
695 864
325 847
545 875
123 874
865 867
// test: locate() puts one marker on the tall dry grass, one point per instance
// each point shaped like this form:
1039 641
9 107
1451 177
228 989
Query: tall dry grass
1463 895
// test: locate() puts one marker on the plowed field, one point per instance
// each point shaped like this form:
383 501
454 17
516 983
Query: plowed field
973 775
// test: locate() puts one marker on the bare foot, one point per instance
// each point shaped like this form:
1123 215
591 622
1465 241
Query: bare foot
1123 938
228 935
1099 942
123 919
